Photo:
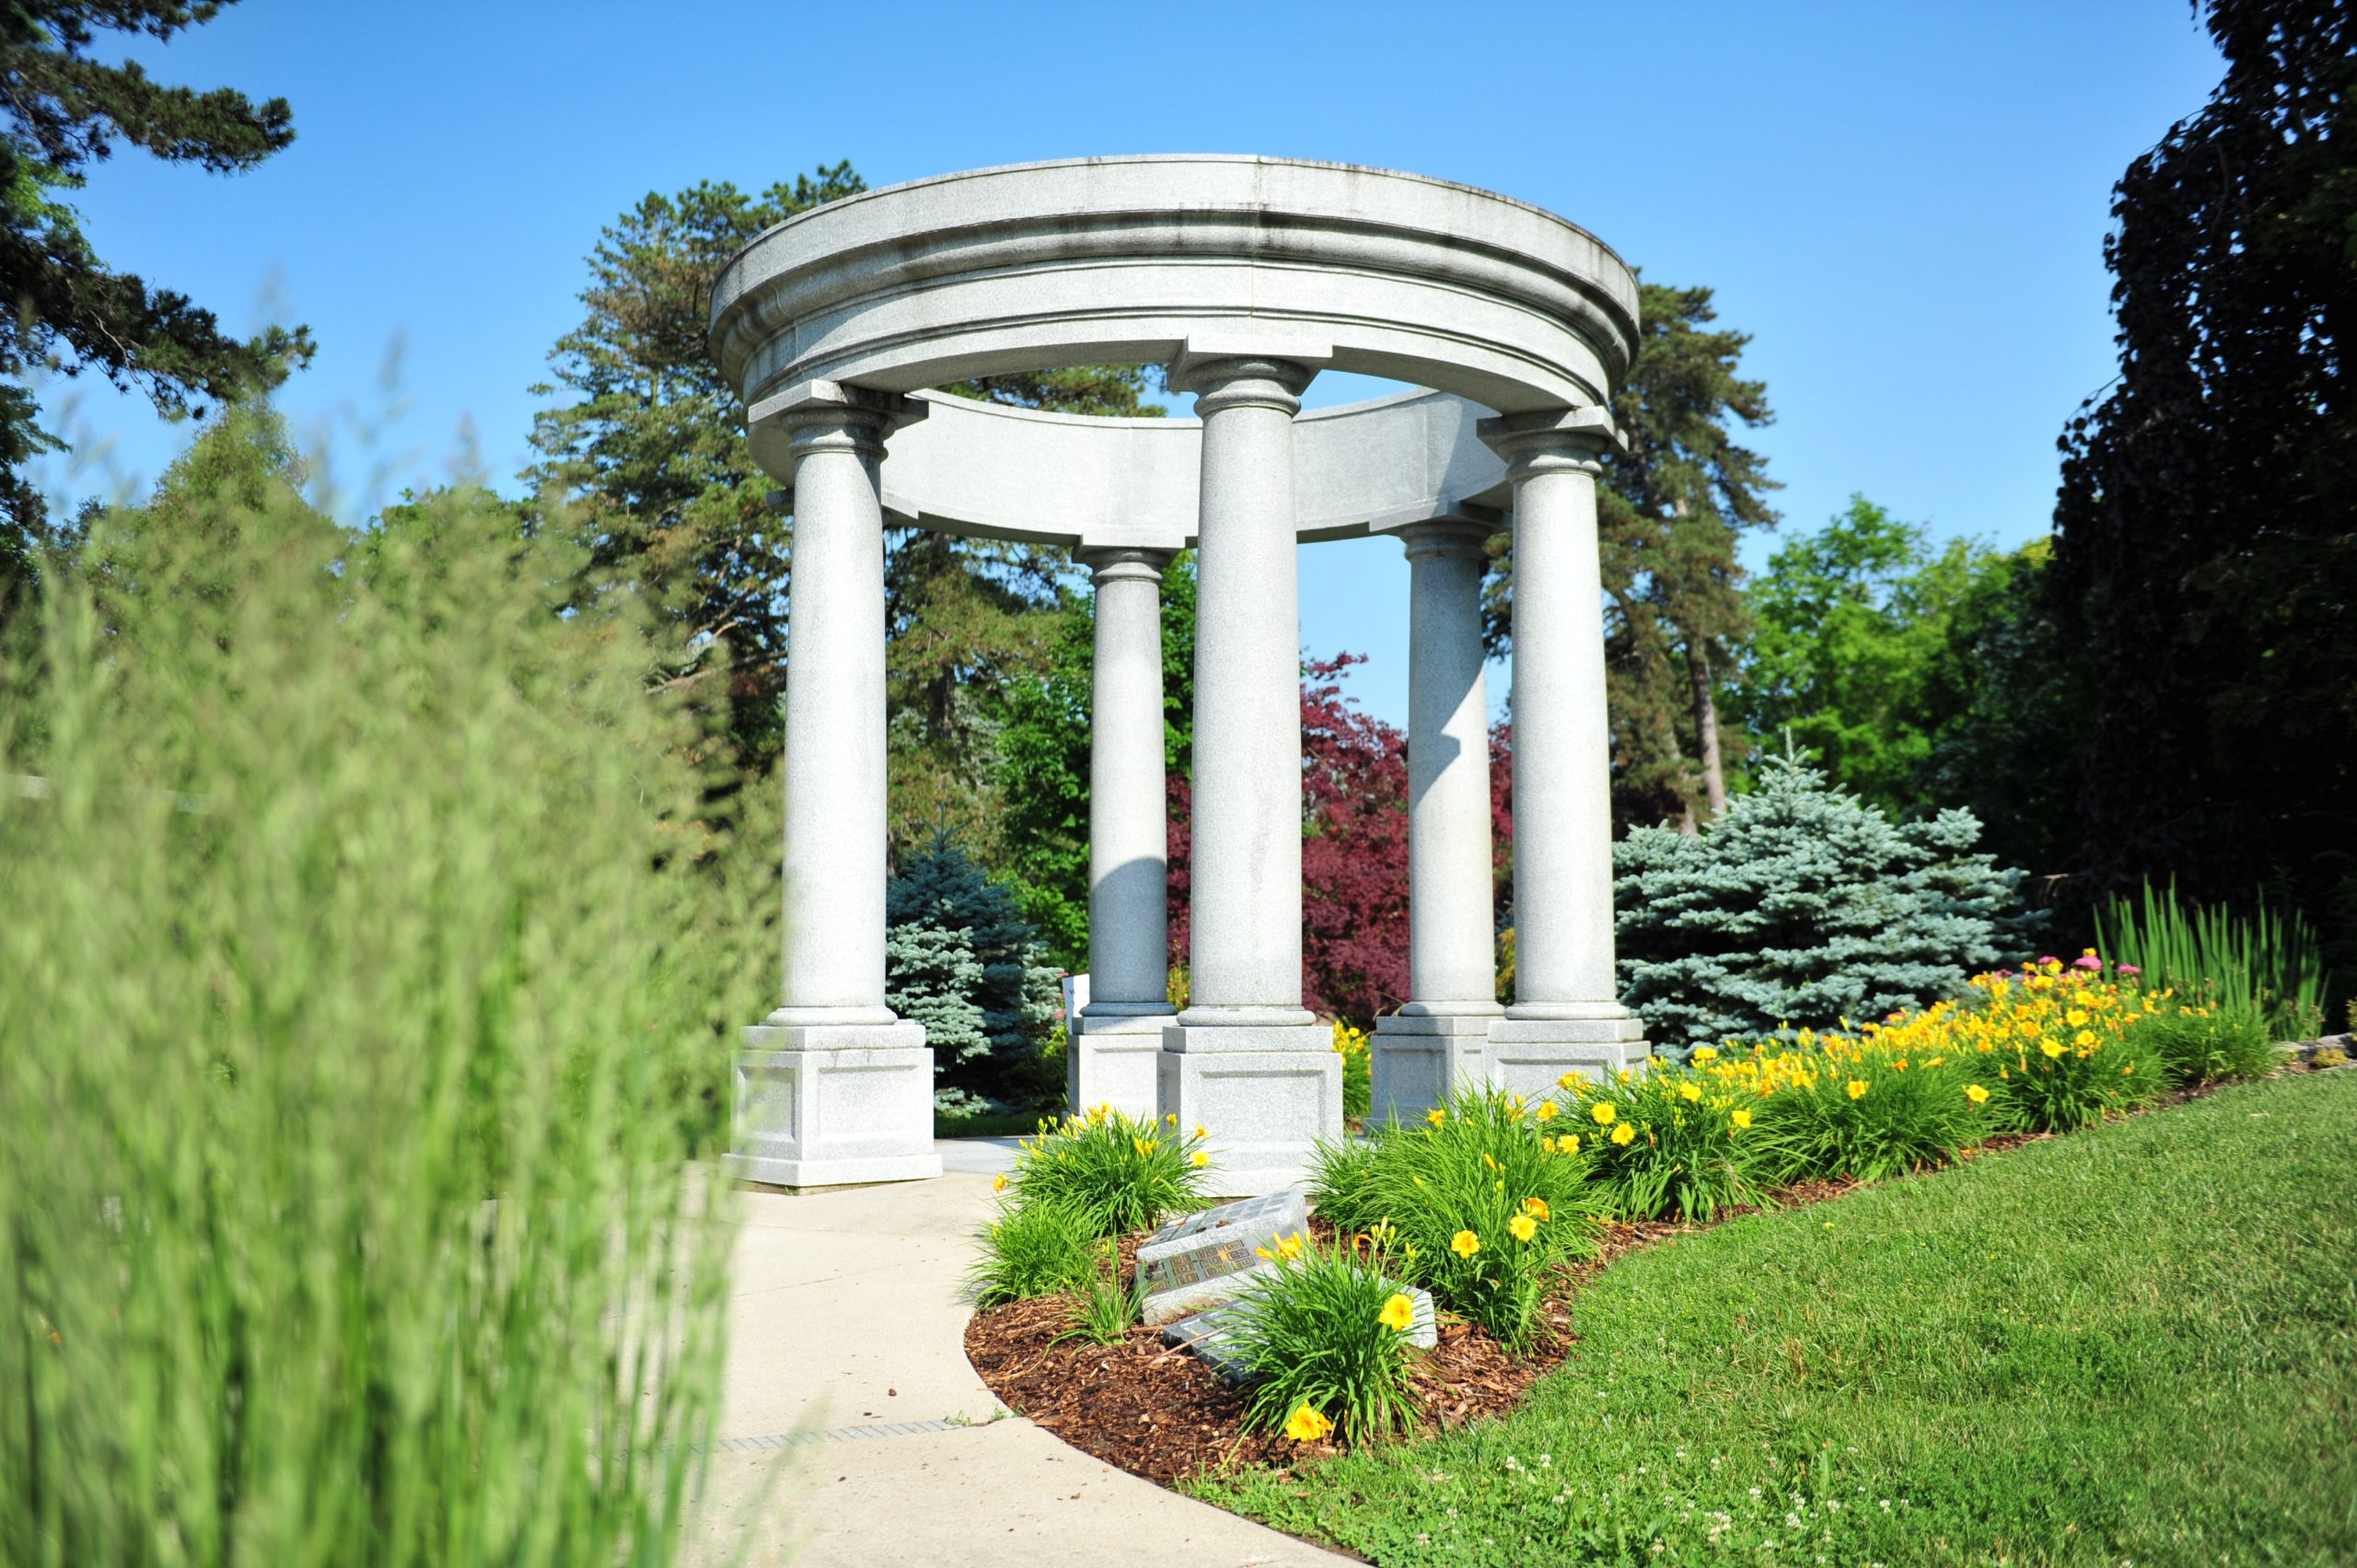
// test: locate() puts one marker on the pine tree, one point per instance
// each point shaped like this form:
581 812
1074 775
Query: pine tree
1669 516
1805 906
65 309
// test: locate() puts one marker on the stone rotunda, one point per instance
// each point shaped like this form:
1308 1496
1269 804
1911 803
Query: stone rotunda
1245 277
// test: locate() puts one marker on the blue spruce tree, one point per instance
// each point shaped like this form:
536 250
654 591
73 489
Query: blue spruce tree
1803 905
961 959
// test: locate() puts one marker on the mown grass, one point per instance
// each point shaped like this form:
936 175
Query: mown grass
2136 1343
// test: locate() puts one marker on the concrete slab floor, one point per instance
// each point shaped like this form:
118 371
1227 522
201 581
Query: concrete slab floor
848 1314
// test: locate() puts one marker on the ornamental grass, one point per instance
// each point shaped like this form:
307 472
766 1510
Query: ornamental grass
1484 1197
1323 1339
367 949
1122 1173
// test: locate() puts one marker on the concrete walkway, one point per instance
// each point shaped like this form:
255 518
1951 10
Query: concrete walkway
853 1431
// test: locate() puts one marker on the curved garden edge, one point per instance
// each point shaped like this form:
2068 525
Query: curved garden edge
1161 1414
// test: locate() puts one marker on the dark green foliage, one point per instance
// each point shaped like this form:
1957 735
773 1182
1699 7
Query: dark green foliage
962 958
61 308
1669 516
2206 532
2128 1346
1803 905
1672 1149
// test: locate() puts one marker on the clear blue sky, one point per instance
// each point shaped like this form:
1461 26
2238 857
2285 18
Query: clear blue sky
1904 204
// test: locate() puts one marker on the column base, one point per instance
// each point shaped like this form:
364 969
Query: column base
1419 1061
1529 1056
826 1105
1115 1061
1266 1094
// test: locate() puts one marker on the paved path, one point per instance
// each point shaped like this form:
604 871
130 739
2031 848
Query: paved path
853 1431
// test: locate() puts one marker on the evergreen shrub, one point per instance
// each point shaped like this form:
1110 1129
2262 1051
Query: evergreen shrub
2201 1045
960 959
1803 904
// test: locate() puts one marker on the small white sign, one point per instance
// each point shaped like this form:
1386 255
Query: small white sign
1076 1002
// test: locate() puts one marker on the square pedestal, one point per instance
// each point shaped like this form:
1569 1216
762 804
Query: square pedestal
1115 1061
1419 1060
1265 1094
1529 1056
831 1104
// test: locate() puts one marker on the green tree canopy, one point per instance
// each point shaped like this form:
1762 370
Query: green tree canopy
2206 532
65 311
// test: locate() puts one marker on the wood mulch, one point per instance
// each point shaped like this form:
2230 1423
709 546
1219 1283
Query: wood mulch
1160 1413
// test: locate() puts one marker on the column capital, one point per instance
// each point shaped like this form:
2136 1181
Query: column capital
1552 440
1266 366
834 415
1122 562
1440 538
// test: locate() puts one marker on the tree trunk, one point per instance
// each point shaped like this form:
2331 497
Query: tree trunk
1706 725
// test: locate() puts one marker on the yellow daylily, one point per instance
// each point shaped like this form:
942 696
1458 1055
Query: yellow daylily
1465 1244
1306 1425
1399 1314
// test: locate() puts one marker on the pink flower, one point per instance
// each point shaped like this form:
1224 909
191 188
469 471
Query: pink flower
2086 962
2129 969
2048 959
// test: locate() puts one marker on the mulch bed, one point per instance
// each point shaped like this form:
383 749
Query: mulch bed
1160 1413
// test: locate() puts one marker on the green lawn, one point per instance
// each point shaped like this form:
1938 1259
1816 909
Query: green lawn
2130 1345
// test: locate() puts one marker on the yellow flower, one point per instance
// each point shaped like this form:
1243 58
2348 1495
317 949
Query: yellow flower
1569 1143
2026 1029
1703 1056
1144 1146
1306 1425
1199 1133
2052 1047
1624 1135
1487 1161
1465 1244
2075 1016
1740 1118
1568 1081
1172 1119
1435 1116
1000 1185
1975 1094
1689 1092
1399 1314
1857 1088
1202 1159
1535 1208
1522 1228
2084 1038
1603 1112
1545 1111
